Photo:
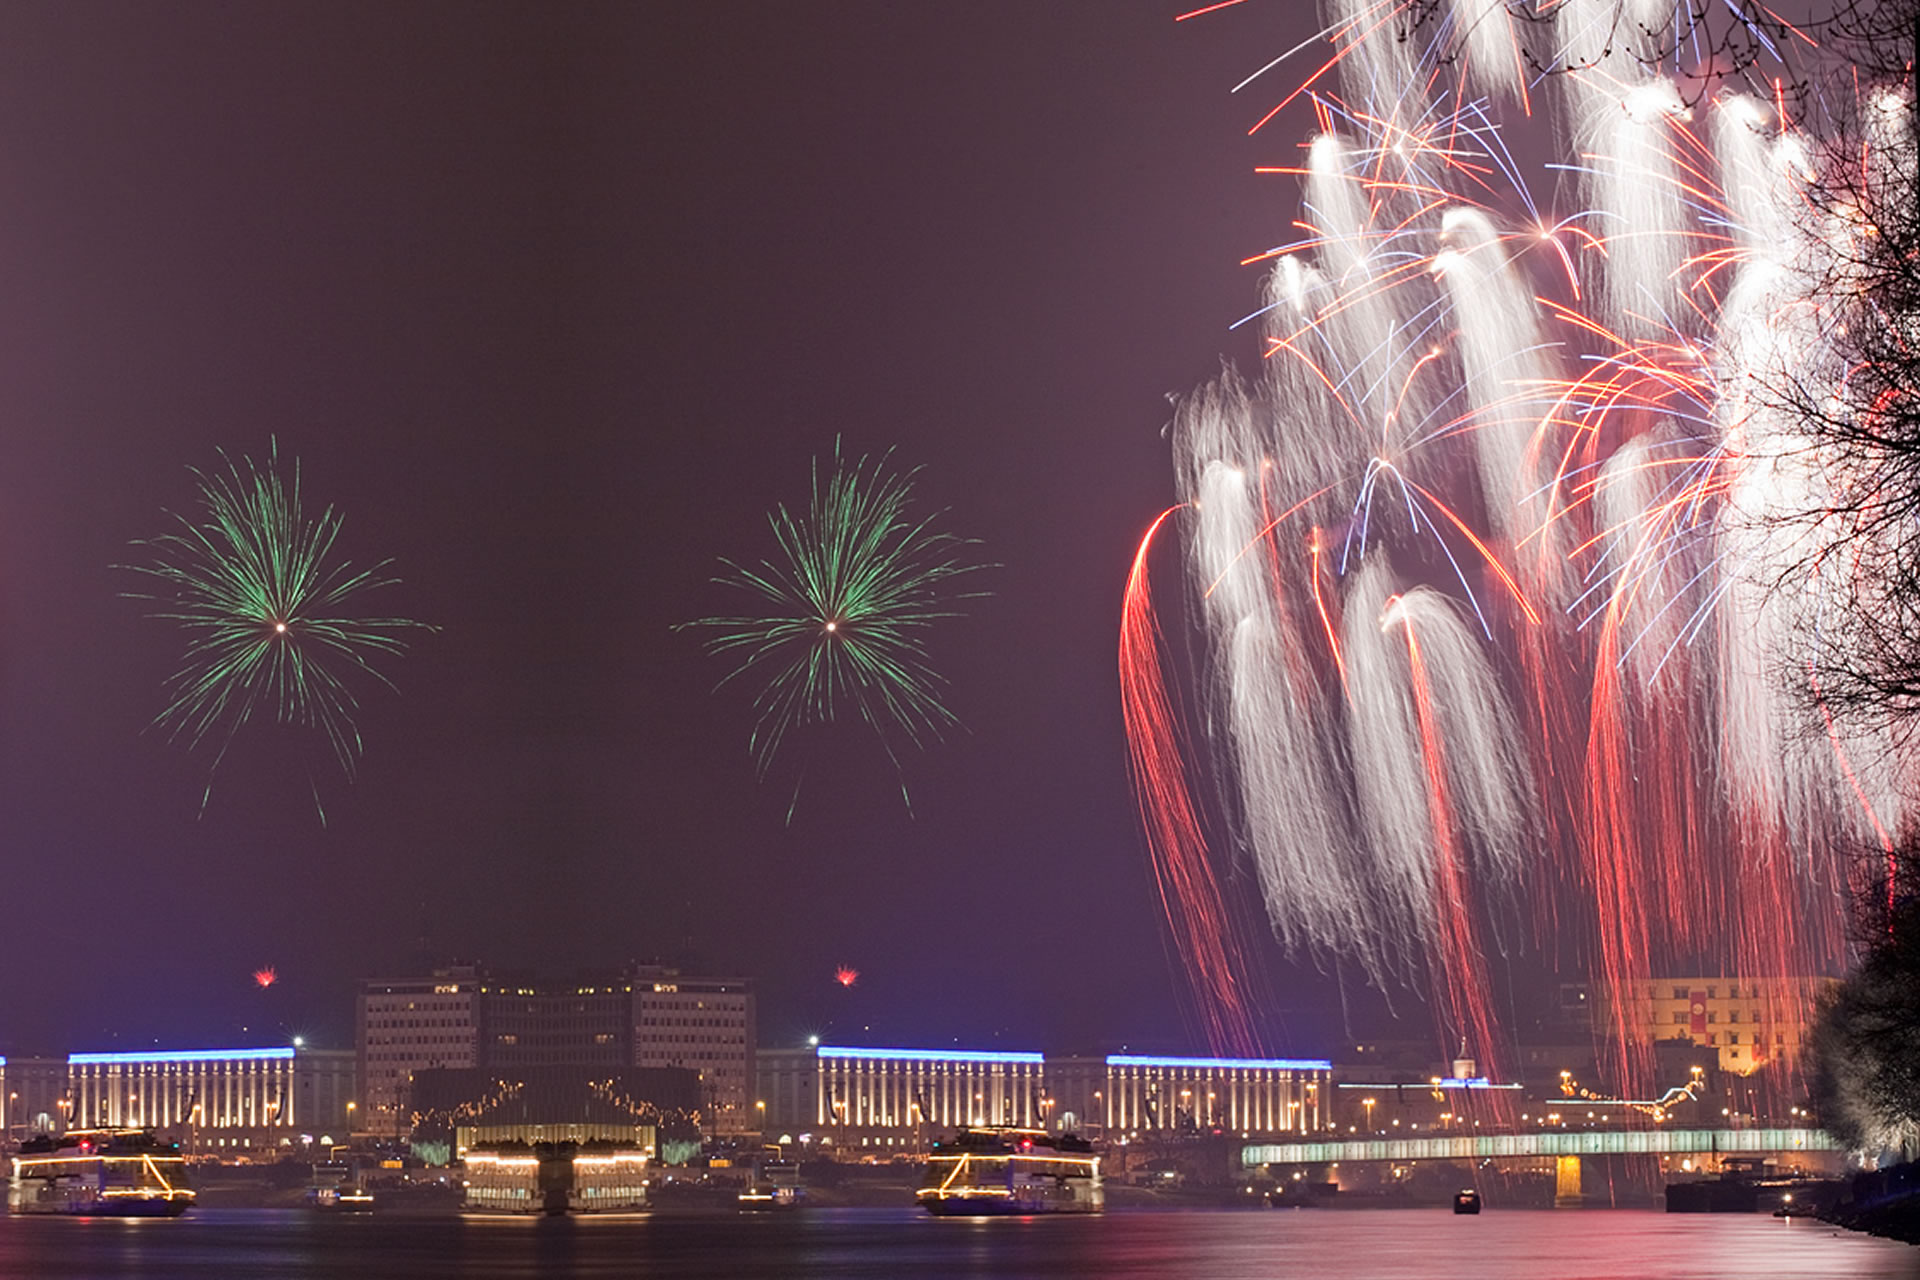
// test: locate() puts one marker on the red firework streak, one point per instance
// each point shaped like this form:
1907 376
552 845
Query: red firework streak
846 975
264 978
1197 917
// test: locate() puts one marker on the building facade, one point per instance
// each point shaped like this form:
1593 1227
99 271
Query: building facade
902 1097
1746 1022
647 1016
706 1024
33 1096
213 1099
1140 1095
412 1024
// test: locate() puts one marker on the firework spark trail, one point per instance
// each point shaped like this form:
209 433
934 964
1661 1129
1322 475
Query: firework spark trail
1461 988
255 585
1647 516
1202 927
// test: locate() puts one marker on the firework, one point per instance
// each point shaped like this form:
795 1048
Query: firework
842 614
266 609
264 978
846 975
1501 559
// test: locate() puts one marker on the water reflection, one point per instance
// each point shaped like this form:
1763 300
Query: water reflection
1389 1245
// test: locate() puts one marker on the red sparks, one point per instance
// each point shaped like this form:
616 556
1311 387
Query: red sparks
846 975
264 978
1190 895
1194 13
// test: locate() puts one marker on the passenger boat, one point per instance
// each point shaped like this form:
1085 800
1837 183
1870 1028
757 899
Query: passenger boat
1012 1171
337 1188
775 1185
1466 1201
120 1173
555 1178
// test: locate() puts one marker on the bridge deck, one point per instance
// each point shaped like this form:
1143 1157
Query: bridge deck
1552 1142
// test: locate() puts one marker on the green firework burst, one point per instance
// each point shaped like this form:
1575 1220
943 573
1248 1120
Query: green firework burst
267 609
844 611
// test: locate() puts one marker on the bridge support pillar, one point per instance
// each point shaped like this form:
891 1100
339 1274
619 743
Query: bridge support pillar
1566 1182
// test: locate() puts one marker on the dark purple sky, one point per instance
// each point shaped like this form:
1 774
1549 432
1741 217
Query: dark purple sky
553 301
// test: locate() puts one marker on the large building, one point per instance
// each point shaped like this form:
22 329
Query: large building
33 1096
1747 1022
856 1097
412 1024
1137 1095
217 1099
706 1024
646 1016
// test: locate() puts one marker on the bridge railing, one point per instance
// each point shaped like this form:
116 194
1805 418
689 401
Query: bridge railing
1552 1142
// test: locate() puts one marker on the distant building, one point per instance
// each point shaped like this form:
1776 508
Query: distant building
217 1099
648 1016
584 1023
1140 1095
707 1024
33 1096
412 1024
1747 1022
895 1097
856 1097
628 1106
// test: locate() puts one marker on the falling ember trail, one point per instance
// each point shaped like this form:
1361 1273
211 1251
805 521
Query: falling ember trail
1196 913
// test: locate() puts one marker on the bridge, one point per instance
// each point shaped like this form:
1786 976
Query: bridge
1550 1142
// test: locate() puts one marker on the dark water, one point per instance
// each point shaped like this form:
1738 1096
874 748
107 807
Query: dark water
1566 1245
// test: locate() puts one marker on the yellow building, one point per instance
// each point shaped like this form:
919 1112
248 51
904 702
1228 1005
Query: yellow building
1747 1022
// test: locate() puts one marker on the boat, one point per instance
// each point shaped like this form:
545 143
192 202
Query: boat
1005 1170
555 1178
117 1173
1466 1200
775 1185
337 1188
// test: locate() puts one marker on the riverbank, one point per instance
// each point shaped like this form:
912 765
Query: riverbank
1884 1203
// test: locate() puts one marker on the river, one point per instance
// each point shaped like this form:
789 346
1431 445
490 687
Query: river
266 1244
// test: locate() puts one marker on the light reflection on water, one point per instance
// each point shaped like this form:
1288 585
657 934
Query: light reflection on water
1387 1244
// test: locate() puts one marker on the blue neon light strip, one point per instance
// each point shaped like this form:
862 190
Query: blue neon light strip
1221 1064
930 1055
179 1055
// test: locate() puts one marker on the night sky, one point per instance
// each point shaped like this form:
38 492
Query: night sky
554 301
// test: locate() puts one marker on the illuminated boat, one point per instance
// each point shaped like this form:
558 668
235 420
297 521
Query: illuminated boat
1012 1171
775 1185
337 1188
555 1178
121 1173
1467 1201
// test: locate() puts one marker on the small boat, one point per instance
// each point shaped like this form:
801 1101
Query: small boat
775 1185
118 1173
337 1189
1466 1201
1012 1171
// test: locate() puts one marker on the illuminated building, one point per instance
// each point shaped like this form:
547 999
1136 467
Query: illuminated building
214 1099
896 1097
407 1025
706 1024
1135 1094
901 1097
647 1016
1747 1022
33 1096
